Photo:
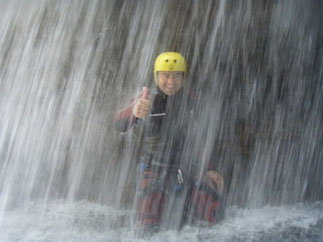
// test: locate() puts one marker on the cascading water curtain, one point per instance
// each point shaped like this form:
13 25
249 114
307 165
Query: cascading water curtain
66 68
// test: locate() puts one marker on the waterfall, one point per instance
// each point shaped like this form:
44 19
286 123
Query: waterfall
67 67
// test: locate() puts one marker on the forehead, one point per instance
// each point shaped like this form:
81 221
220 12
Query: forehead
170 72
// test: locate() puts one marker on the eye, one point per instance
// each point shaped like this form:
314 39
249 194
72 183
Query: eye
166 60
175 61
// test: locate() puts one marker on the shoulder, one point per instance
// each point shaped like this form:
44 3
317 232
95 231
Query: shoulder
191 98
191 95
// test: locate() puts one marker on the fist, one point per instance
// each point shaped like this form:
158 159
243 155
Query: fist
215 178
142 105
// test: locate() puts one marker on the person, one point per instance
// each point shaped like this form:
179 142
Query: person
166 161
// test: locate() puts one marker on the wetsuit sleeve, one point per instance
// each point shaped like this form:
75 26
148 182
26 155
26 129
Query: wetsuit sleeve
214 162
211 166
124 120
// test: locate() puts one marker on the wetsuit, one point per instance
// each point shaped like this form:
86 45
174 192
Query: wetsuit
164 153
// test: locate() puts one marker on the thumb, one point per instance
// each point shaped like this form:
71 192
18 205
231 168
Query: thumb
145 93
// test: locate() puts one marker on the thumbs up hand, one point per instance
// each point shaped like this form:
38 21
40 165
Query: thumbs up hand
142 105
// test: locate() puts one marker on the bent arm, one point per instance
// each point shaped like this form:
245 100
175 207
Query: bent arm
138 109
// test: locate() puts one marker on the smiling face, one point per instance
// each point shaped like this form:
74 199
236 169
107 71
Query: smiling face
170 82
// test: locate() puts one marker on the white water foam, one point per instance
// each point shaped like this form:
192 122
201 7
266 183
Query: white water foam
86 221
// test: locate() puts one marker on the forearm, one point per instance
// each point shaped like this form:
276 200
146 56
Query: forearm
125 119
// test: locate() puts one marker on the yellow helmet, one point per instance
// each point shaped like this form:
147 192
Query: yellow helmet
169 61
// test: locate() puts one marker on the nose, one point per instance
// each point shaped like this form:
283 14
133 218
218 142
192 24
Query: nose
170 82
170 79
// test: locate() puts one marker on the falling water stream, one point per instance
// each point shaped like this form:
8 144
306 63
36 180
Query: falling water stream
66 67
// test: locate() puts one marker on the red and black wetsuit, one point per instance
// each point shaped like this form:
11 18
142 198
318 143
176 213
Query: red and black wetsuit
166 147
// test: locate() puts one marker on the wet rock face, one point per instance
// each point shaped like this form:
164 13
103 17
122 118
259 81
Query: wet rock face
66 68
